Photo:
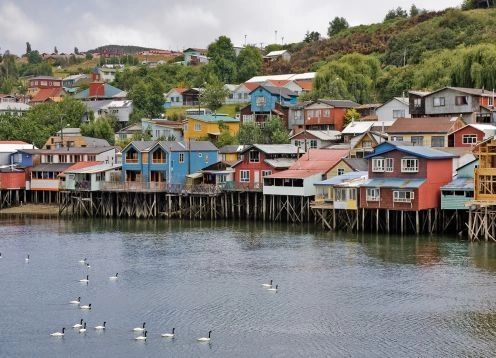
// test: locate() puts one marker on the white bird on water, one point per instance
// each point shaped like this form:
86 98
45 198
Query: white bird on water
87 279
76 302
78 325
267 284
114 277
141 338
27 258
140 329
85 307
82 330
169 335
101 327
58 334
205 339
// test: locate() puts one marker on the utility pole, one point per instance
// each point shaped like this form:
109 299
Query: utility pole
275 32
282 40
245 40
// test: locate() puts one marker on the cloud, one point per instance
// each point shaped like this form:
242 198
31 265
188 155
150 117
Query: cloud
16 26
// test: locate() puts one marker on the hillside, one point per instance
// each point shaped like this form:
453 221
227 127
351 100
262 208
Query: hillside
118 50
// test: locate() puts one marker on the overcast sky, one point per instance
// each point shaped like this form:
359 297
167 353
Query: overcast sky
179 24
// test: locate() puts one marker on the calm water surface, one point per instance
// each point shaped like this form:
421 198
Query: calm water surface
340 295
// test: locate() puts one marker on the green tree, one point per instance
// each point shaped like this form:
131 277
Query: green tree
76 51
102 127
395 13
223 59
28 48
311 36
34 57
213 96
225 137
249 63
148 99
337 25
249 133
350 115
275 132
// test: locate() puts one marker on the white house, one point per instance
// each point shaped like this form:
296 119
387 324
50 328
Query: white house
398 107
107 74
120 110
230 88
275 55
17 108
174 98
89 178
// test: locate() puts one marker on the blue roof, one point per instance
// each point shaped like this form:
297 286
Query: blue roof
418 151
394 183
213 118
459 184
342 178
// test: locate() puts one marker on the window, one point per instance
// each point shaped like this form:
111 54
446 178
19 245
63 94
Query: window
266 173
439 102
327 112
244 176
469 139
417 102
340 171
397 138
254 156
317 113
398 113
198 127
409 165
340 194
245 95
367 144
313 143
417 140
490 101
260 101
378 165
373 194
437 141
389 165
200 155
461 100
403 196
181 157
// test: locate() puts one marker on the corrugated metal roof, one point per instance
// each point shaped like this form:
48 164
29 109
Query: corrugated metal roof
343 178
320 159
419 151
211 118
358 164
357 127
441 125
280 163
71 150
51 167
394 183
340 103
99 168
295 174
459 184
229 149
275 148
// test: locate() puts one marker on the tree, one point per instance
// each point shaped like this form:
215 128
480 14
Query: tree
28 48
476 4
102 127
34 57
88 56
350 115
275 132
76 51
55 50
337 25
249 63
395 13
312 36
249 133
225 137
213 96
223 59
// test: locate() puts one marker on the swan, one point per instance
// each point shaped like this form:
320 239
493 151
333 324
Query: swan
58 334
87 279
82 330
169 335
205 339
273 288
88 265
0 255
140 329
78 325
76 302
141 338
83 260
113 277
267 284
101 327
27 259
85 307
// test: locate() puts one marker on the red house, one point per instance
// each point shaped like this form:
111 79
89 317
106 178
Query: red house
471 134
260 160
405 178
327 114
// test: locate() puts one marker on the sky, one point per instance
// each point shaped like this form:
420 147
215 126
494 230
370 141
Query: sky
179 24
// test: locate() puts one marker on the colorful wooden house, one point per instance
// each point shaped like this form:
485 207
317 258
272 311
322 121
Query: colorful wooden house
326 114
426 131
209 125
340 192
89 176
230 153
165 162
261 160
315 139
471 134
456 194
174 98
346 165
405 178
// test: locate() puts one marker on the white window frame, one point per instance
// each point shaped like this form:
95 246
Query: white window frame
373 194
409 165
389 165
266 173
254 156
340 171
438 102
198 127
398 113
378 165
469 138
403 196
244 176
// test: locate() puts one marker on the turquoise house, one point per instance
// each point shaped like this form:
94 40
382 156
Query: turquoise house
264 98
460 190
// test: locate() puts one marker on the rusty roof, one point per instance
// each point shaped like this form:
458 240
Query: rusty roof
423 125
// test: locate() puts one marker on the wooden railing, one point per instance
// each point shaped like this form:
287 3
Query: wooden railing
209 189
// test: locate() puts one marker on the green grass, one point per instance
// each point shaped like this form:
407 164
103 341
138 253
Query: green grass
229 109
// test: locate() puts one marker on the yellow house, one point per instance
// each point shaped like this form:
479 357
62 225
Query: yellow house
346 165
208 125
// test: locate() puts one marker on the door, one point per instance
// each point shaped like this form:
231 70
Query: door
256 179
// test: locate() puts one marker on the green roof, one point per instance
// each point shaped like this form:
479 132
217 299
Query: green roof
213 118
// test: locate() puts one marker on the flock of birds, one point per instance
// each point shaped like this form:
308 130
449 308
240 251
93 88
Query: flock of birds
81 327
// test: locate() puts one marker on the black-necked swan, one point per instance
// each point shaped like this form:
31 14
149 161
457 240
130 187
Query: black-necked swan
205 339
85 307
114 277
82 330
141 338
58 334
27 258
76 302
273 288
88 265
78 325
169 335
267 284
87 279
140 329
83 260
101 327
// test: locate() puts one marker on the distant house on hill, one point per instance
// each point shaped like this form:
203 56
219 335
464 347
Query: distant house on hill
276 55
194 56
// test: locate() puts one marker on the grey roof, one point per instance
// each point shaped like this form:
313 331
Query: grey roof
325 135
71 150
234 148
420 93
460 184
203 145
51 167
278 91
274 148
338 179
142 145
96 142
280 162
340 103
96 105
394 183
196 145
358 164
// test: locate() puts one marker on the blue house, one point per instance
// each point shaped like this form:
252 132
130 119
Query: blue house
165 162
264 98
460 190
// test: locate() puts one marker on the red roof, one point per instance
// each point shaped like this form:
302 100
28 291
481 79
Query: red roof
251 85
279 83
305 85
180 89
46 93
313 162
424 125
12 142
82 165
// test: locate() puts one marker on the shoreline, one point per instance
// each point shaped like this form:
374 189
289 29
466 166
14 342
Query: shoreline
32 210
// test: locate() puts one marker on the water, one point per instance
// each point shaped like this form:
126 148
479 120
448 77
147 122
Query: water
340 295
